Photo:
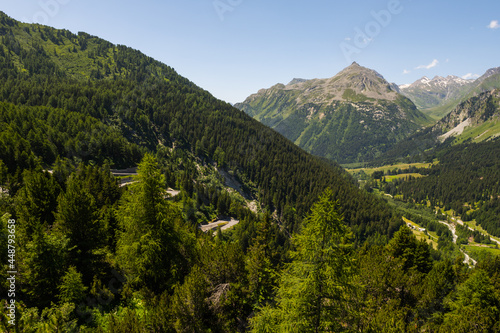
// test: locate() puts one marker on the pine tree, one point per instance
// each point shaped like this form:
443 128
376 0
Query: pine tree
150 243
36 202
475 307
71 288
259 264
43 264
313 288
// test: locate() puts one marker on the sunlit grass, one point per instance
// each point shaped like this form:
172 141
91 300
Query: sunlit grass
431 238
386 168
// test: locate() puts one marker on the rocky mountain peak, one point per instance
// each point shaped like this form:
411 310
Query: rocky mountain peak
296 81
489 72
436 82
337 117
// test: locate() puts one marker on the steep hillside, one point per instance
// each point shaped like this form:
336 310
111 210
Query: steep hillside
93 253
475 120
120 103
354 116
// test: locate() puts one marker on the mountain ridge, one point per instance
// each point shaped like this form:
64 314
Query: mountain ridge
470 115
477 119
151 107
438 96
352 116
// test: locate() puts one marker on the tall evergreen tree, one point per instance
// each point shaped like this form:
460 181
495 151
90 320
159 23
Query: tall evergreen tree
36 203
475 307
313 289
43 264
260 266
150 243
77 218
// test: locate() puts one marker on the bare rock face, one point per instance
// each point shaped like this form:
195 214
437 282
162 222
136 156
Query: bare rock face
358 81
473 112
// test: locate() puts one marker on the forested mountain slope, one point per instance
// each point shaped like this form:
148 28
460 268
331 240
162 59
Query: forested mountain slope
475 120
466 179
118 103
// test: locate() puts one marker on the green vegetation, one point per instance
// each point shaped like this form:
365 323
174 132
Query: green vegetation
125 104
438 112
481 112
483 132
430 238
351 96
313 289
404 176
465 181
311 252
466 175
482 252
348 128
386 168
438 100
473 225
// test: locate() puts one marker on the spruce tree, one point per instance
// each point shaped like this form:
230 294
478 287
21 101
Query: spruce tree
312 294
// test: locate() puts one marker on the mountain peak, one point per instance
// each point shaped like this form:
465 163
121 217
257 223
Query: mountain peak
303 111
442 91
489 72
437 81
361 81
296 81
357 67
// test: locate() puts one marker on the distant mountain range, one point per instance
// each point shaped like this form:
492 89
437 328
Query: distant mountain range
439 96
354 116
476 119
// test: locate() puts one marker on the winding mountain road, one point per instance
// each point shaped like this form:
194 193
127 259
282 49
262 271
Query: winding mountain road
226 224
453 230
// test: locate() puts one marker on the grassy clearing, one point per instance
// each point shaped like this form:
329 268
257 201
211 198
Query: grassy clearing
386 168
402 176
480 133
350 166
481 251
431 238
439 112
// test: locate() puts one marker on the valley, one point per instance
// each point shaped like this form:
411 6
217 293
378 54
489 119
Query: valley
374 179
143 203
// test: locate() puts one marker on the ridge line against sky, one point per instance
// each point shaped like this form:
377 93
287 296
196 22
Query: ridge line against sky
233 48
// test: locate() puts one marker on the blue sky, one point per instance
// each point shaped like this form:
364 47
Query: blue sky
233 48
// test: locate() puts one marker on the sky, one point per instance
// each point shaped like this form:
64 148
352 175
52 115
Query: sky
233 48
